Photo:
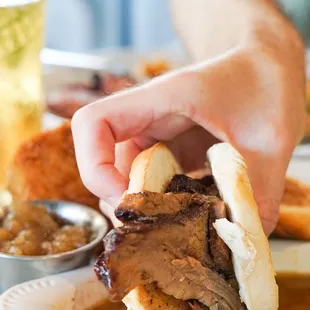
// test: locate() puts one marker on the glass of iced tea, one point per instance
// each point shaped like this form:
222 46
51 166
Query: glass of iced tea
21 97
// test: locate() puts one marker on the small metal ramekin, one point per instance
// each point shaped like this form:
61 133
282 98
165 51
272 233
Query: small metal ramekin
18 269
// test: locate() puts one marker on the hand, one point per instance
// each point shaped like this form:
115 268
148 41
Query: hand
251 96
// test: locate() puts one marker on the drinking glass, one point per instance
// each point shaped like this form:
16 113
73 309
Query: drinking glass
21 97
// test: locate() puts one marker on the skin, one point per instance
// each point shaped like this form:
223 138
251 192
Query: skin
246 87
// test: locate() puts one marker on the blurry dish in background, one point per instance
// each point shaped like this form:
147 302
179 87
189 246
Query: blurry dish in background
70 255
296 193
33 231
65 100
71 84
52 57
155 68
45 167
294 216
78 290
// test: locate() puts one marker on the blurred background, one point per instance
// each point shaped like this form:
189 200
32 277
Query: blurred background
144 25
92 49
83 25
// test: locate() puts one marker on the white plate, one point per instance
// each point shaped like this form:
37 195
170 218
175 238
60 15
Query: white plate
80 290
74 290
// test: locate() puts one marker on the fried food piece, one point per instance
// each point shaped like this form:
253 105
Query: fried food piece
45 167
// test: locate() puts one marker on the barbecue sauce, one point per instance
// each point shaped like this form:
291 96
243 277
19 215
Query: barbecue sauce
294 291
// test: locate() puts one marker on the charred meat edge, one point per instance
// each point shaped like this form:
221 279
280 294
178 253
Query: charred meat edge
187 265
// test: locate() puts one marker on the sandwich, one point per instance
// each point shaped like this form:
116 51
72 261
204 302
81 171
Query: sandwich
188 243
294 217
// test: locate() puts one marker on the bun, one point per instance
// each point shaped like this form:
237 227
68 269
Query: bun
294 215
153 169
244 235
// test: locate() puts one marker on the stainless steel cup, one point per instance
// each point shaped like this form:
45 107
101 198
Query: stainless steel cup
18 269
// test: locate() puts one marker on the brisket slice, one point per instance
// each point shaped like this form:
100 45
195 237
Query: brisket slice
169 250
145 204
219 251
150 206
207 180
181 183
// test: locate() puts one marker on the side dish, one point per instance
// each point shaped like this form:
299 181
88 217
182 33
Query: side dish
31 231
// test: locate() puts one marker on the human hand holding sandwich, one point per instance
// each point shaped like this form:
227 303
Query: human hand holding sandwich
246 88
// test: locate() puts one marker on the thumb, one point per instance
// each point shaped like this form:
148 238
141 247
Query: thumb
267 177
268 210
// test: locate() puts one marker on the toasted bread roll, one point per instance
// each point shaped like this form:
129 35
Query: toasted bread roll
294 219
244 234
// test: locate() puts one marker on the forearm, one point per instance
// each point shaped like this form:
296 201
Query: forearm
210 28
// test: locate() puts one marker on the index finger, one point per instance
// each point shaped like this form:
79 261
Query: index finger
98 127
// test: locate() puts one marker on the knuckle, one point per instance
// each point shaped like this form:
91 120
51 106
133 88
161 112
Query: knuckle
191 84
89 113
